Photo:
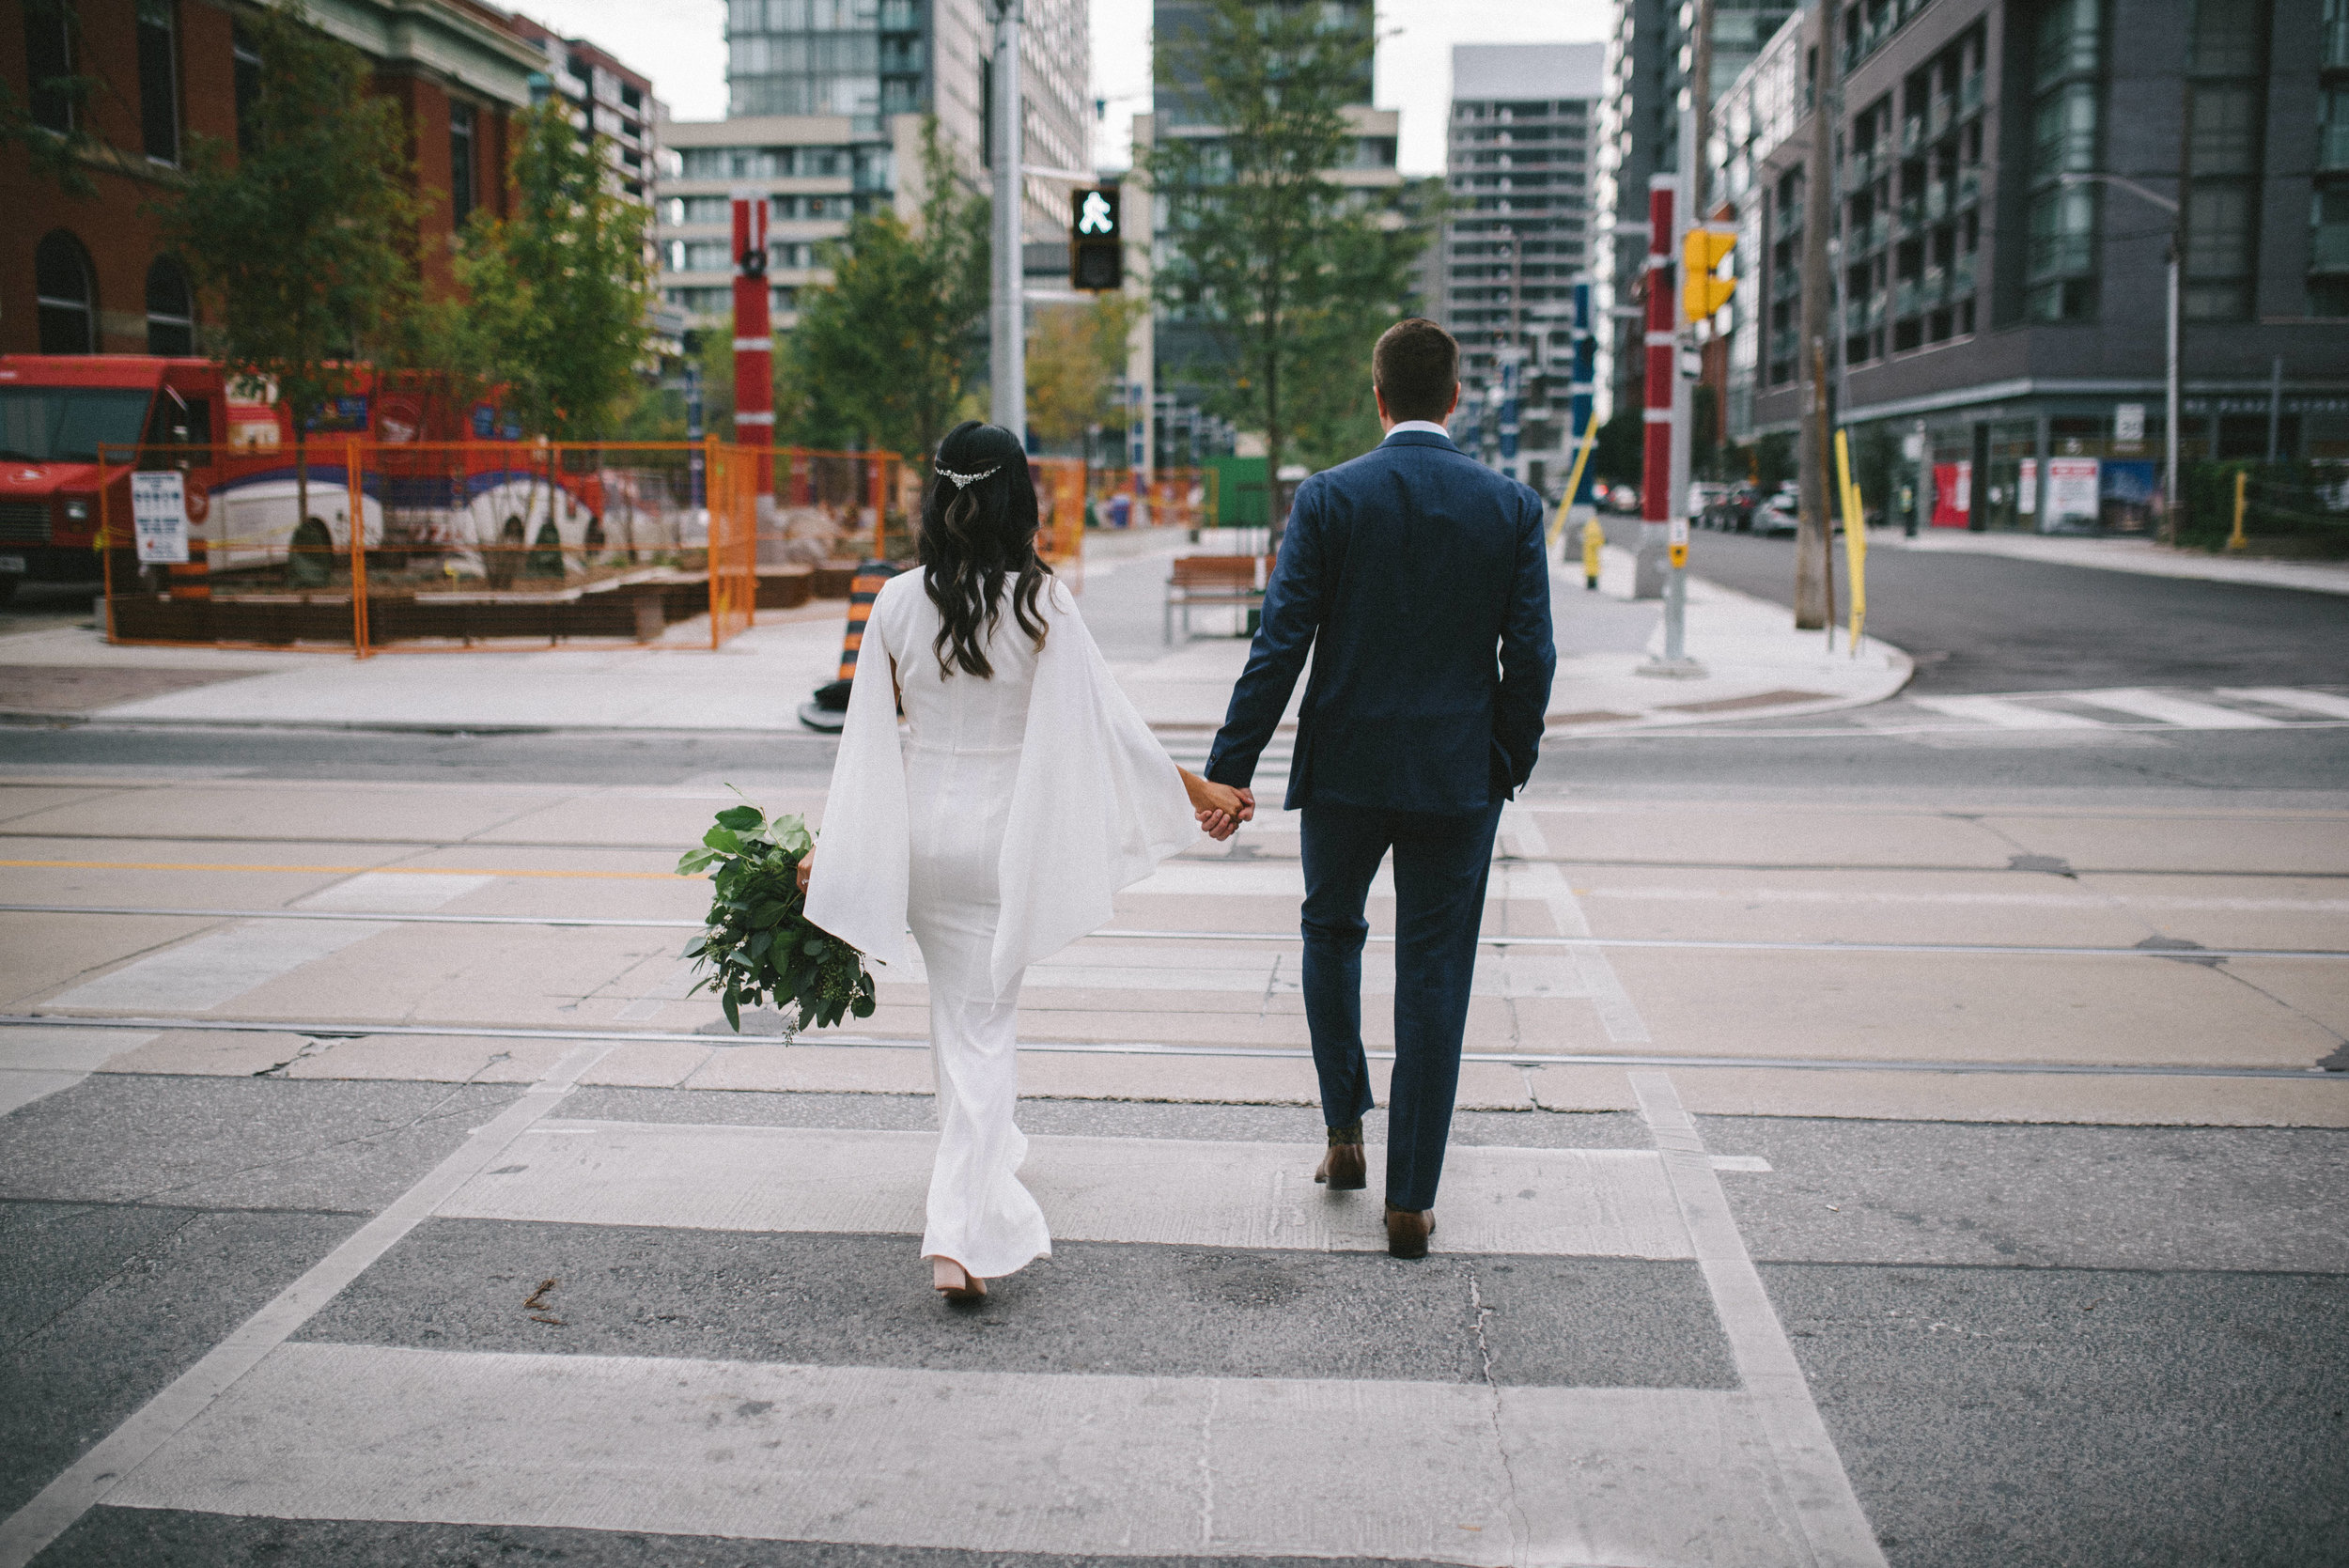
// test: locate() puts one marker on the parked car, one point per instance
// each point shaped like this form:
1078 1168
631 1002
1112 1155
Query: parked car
1732 510
1780 513
1623 499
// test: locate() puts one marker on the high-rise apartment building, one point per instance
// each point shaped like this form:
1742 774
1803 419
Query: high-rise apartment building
825 102
1523 122
2005 200
607 99
1177 350
1649 55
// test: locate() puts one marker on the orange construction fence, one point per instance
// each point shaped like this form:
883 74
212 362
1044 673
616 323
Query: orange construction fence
369 545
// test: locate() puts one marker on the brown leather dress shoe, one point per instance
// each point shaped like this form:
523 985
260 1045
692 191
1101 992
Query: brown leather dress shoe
1343 1168
1408 1231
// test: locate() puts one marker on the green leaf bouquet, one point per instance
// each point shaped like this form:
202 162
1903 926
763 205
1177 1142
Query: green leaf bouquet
759 945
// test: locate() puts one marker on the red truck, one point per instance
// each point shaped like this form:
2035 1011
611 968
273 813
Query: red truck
236 447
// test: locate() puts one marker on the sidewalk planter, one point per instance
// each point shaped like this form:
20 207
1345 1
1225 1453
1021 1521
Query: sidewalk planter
833 577
785 588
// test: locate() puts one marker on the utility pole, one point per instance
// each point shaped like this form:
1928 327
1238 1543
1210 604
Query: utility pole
1812 539
1007 345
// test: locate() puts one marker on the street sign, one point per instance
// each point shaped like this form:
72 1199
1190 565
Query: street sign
1096 246
2128 422
159 516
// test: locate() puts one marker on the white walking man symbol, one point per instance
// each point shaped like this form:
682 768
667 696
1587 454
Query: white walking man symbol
1095 216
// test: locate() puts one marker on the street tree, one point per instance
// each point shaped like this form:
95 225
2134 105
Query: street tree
1283 266
889 351
553 298
305 238
1076 358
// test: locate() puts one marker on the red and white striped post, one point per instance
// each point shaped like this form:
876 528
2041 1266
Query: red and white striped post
754 337
1656 468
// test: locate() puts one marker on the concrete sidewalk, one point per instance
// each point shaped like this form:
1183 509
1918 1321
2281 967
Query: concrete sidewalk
1756 665
2142 556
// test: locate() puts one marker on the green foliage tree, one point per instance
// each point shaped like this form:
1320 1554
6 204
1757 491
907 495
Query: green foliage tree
554 297
1076 356
306 239
889 349
1292 273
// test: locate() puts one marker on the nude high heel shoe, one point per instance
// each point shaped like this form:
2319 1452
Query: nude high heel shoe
953 1281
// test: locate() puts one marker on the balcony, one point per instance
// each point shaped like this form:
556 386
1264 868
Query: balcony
1969 94
1962 278
1968 187
1785 283
1912 135
1906 298
1937 203
1944 113
2336 42
1935 285
1913 213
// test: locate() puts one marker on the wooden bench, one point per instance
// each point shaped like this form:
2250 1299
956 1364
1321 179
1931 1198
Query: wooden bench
1216 580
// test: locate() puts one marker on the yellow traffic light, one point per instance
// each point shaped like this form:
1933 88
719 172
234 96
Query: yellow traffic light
1702 292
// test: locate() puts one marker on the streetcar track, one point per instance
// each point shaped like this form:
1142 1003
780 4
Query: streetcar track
348 1029
2004 950
1795 866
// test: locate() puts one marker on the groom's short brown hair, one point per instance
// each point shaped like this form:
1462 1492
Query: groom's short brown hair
1416 368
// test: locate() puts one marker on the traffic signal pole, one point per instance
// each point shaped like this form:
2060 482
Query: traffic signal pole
1665 410
1007 347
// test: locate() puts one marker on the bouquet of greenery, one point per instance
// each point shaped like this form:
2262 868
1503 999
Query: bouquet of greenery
759 944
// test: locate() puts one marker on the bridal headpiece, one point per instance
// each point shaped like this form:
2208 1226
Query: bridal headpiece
964 481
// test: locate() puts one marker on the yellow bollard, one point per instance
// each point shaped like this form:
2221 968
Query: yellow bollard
2235 540
1594 540
1854 539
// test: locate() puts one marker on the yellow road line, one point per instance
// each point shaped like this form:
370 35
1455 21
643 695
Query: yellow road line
353 870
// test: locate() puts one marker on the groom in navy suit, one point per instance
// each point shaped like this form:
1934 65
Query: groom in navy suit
1418 580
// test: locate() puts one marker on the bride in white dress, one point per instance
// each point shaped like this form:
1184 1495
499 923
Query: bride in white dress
1023 794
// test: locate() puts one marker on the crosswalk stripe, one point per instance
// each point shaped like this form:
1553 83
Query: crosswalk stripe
2326 702
2166 708
2005 713
990 1461
1584 1203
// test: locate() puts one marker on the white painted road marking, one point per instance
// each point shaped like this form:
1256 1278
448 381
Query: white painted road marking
2006 713
100 1471
2167 709
218 967
989 1462
1830 1517
2331 705
1591 1203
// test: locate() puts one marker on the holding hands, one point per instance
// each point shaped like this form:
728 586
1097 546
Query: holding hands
1221 808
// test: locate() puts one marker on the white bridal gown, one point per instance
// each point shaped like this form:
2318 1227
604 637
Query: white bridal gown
999 824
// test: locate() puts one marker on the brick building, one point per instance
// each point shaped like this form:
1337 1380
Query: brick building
88 274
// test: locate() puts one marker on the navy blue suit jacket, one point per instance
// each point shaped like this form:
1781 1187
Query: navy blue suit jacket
1418 580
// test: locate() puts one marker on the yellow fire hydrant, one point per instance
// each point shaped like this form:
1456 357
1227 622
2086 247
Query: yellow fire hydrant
1594 540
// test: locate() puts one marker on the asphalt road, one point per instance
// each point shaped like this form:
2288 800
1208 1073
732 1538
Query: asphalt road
2091 1320
1985 623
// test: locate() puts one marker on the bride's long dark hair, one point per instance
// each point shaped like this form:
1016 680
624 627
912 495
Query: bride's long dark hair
978 529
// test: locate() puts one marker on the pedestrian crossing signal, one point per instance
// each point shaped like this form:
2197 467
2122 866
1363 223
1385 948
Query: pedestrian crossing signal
1702 292
1097 249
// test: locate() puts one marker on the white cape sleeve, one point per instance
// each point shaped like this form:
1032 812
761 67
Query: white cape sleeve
857 890
1097 805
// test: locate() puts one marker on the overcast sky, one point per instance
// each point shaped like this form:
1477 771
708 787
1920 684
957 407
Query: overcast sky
681 45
